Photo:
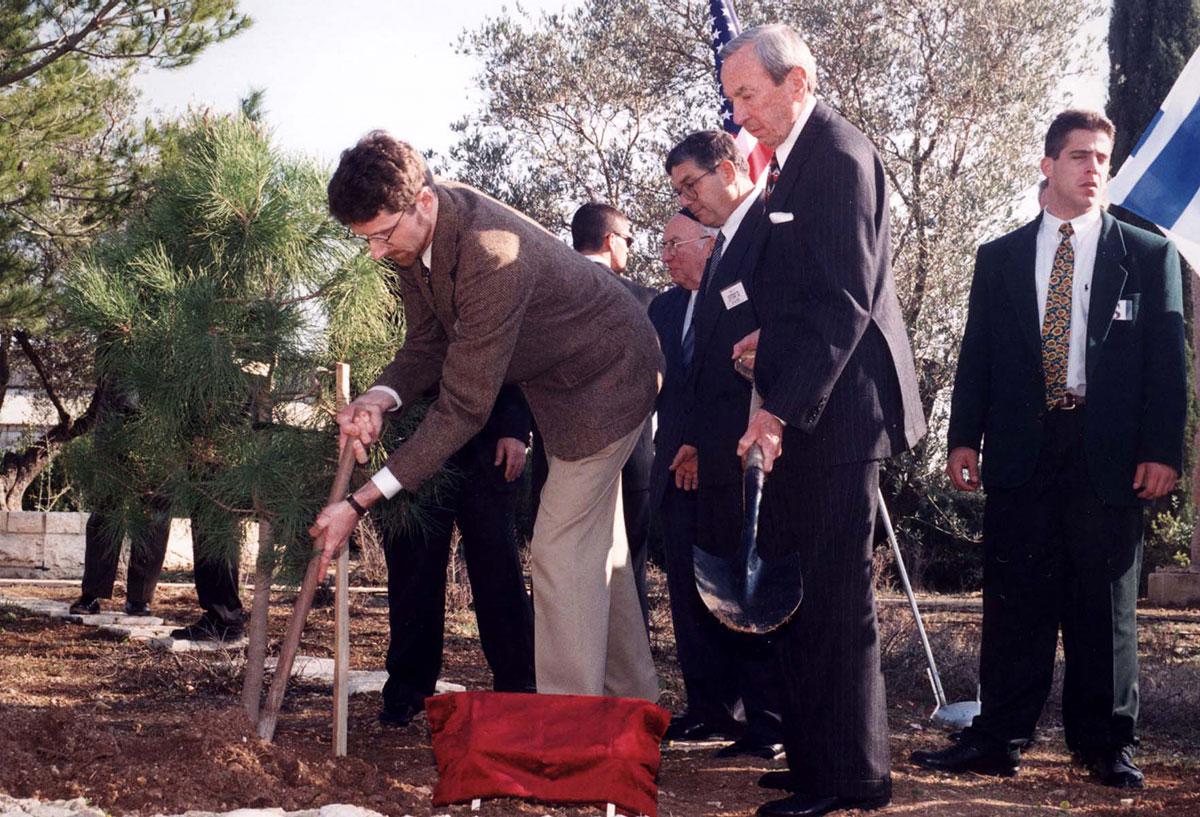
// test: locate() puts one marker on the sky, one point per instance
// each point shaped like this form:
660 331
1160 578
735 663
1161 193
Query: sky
333 71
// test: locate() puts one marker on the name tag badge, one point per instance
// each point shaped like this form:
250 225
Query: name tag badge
734 294
1124 311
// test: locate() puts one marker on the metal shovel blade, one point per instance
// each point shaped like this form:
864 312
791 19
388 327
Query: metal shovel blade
744 592
955 716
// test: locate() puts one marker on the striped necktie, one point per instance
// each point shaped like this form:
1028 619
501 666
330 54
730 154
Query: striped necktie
1056 326
772 178
688 347
710 267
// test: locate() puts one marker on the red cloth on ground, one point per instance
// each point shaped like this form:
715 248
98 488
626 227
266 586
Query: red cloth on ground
552 748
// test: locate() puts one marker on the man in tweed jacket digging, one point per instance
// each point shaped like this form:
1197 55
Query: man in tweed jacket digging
492 298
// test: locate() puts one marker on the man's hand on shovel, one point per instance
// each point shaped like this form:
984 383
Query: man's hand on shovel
765 430
337 521
361 422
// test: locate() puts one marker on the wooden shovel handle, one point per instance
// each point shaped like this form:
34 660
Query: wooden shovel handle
295 628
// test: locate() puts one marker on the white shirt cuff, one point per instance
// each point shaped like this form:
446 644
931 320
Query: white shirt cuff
386 482
390 392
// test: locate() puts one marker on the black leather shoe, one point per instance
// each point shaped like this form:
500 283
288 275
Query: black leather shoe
782 780
400 714
210 628
1115 767
694 727
751 747
807 805
85 605
133 608
968 756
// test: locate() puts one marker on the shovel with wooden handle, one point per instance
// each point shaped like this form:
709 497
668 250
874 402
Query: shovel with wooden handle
291 640
746 593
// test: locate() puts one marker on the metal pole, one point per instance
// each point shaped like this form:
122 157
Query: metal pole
935 678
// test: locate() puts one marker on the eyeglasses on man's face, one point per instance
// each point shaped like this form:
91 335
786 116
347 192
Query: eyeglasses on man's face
687 188
380 237
672 245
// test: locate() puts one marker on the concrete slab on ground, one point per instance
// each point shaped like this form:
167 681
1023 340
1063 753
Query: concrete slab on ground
313 668
103 619
168 644
137 633
13 807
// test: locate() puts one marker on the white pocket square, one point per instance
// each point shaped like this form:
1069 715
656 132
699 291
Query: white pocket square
781 217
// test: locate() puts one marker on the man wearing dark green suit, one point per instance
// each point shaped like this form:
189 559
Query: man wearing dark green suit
1072 374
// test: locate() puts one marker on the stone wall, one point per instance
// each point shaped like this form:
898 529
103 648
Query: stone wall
36 545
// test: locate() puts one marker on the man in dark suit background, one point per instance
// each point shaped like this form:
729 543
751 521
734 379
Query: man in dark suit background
481 501
709 685
1072 374
712 179
835 372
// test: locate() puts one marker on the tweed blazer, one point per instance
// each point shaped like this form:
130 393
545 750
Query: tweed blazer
507 302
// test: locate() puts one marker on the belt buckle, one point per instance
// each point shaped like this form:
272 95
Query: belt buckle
1068 402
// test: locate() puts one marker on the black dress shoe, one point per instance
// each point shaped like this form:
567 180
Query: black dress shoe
968 756
133 608
399 714
694 727
1115 767
751 747
782 780
210 628
85 605
807 805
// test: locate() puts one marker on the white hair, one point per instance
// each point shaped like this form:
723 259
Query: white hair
779 49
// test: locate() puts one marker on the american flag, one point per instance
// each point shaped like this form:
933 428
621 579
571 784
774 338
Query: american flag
725 27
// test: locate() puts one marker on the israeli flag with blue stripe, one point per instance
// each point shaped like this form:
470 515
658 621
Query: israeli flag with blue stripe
1160 181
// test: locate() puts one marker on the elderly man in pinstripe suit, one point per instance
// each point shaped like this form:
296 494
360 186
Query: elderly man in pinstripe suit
835 372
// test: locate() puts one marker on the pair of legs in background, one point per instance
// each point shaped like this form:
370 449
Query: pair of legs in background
483 505
216 576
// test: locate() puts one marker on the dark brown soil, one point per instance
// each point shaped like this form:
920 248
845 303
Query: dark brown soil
141 732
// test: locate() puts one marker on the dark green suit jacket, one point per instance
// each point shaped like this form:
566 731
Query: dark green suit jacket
1135 366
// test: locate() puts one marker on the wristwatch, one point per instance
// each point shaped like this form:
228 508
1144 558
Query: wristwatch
356 505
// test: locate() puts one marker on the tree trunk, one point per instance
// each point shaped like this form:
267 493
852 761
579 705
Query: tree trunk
256 650
20 468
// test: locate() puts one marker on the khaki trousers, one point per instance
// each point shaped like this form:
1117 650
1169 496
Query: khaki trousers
589 636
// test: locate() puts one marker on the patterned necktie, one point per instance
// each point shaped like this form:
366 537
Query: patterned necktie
772 177
688 348
1056 326
710 268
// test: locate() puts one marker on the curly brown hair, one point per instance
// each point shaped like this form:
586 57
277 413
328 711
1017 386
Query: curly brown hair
379 172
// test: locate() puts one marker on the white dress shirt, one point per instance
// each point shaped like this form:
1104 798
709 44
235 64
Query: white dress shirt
730 227
1084 243
785 148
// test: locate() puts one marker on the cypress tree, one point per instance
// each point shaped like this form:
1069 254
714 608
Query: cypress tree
1149 43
